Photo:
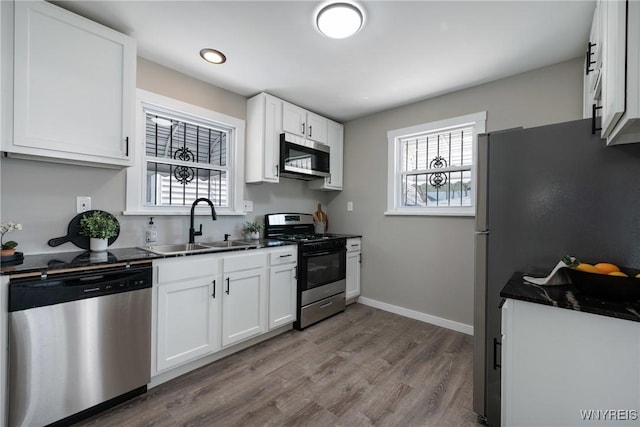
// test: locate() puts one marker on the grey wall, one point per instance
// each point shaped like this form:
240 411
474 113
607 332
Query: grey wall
426 263
42 195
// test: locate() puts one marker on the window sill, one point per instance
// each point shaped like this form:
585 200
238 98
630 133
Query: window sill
435 212
176 212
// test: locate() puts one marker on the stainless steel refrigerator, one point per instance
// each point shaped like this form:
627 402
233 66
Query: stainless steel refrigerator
543 193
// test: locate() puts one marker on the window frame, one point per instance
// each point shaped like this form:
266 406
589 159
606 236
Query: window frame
394 184
136 174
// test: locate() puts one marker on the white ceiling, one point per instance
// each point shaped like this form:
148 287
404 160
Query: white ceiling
407 50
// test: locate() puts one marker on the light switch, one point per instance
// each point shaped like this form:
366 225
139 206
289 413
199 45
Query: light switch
248 206
349 206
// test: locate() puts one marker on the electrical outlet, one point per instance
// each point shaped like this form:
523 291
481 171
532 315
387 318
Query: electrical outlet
248 206
83 204
349 206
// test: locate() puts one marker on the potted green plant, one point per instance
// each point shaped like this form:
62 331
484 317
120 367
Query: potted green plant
8 248
252 230
99 227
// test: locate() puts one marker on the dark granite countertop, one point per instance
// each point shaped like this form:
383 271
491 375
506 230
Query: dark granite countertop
81 259
569 297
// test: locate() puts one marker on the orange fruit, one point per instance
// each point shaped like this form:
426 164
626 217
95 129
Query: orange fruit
617 273
606 267
583 266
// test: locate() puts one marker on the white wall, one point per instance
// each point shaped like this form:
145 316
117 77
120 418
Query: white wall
42 195
426 263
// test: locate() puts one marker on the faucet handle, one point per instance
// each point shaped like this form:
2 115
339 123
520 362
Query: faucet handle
199 232
226 236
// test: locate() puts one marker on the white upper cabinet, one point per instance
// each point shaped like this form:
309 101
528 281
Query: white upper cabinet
264 125
267 118
74 86
335 140
593 66
304 123
613 39
613 80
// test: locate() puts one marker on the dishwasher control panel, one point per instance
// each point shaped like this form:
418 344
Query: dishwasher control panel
64 287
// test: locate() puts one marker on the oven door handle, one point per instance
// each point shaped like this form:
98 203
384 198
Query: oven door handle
312 254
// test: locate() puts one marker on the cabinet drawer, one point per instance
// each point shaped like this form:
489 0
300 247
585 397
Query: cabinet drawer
244 261
170 270
283 256
354 245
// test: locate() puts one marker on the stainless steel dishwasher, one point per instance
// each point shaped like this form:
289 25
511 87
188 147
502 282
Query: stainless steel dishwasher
79 342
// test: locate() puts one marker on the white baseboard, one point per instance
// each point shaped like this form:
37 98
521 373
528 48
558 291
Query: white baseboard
417 315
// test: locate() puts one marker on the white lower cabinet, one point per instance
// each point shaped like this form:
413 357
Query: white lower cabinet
188 309
207 303
354 260
283 269
244 305
563 367
244 299
188 327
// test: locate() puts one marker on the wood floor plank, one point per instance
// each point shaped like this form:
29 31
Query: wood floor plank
363 367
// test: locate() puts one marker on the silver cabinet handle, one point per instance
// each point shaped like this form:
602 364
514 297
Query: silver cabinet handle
310 131
303 128
285 256
327 304
227 286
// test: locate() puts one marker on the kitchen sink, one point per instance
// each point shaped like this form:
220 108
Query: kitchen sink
182 248
191 248
226 244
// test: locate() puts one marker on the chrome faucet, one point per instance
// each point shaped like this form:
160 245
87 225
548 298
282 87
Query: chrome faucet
192 231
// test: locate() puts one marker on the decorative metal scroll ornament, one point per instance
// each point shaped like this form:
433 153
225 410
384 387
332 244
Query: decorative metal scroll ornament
438 179
184 174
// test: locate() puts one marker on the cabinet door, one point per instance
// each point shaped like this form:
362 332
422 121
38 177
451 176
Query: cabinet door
188 320
282 295
244 305
335 138
613 32
273 118
294 119
316 128
353 274
74 86
586 362
336 142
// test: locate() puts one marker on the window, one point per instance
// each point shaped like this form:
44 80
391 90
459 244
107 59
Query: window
432 167
184 153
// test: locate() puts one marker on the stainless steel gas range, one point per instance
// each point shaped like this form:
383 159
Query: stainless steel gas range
321 266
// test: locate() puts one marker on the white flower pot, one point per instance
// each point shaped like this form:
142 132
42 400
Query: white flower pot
98 245
255 235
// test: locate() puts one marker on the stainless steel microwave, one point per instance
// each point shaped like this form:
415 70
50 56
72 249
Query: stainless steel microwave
302 158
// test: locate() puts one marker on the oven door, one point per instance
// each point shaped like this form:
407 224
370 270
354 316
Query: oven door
308 161
321 268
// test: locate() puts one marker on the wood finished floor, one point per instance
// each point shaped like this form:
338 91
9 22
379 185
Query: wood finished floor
360 368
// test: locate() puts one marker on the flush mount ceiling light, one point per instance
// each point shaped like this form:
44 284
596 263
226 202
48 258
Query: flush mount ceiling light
339 20
213 56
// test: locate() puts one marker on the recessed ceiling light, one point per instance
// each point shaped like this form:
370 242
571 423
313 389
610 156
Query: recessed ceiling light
213 56
339 20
